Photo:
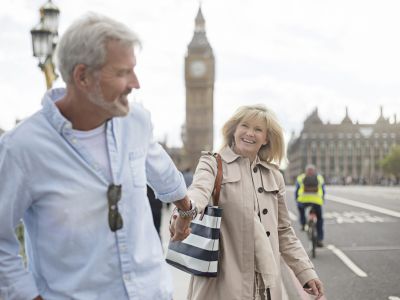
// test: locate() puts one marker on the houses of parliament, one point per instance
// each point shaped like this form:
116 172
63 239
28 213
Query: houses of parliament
348 152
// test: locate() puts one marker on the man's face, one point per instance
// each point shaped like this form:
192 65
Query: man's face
310 172
115 80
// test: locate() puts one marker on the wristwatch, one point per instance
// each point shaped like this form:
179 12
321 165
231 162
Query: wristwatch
186 214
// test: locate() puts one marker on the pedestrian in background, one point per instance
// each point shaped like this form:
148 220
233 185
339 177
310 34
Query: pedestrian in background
156 208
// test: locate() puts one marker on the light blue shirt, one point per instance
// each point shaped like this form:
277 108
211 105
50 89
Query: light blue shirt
48 179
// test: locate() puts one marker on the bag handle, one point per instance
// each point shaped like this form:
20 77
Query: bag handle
218 180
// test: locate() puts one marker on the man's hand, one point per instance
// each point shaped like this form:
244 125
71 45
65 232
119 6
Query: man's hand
314 287
179 228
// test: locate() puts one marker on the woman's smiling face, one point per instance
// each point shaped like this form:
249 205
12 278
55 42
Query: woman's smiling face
249 136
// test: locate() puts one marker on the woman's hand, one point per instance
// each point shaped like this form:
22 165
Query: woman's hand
314 287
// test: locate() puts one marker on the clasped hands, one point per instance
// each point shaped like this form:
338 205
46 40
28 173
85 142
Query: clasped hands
179 227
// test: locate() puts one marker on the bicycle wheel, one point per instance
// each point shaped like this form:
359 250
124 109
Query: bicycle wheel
313 235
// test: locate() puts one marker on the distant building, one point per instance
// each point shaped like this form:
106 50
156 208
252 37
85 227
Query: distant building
197 133
344 153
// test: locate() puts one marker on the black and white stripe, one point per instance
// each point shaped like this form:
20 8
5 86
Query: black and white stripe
198 253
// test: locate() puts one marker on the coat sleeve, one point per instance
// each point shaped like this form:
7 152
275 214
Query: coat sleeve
15 281
290 246
203 181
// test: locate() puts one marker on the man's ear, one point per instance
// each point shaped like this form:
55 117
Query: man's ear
81 76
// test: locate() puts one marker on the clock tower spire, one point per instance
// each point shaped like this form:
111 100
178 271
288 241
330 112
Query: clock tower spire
199 82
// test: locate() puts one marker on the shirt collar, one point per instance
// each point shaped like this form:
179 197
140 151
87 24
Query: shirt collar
50 110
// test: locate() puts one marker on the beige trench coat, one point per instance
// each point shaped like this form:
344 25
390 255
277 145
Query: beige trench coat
235 280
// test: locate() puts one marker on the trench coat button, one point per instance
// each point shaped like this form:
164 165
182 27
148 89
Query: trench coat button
255 169
268 233
260 190
265 211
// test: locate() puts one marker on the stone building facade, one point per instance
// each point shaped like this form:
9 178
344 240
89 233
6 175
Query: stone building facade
343 153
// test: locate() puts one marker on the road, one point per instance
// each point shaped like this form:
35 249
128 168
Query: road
361 257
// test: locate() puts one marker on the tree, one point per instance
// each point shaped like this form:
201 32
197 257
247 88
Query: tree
391 163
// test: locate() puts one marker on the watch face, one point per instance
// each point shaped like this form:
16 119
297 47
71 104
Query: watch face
197 68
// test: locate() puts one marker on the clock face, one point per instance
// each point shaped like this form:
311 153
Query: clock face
197 68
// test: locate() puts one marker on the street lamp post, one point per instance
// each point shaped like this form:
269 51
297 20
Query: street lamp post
44 40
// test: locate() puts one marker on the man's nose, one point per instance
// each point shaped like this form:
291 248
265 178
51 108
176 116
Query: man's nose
134 82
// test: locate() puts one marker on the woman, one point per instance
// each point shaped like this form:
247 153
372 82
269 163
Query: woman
255 227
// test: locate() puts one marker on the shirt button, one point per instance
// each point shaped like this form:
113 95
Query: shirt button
127 277
255 169
268 233
260 190
265 211
74 141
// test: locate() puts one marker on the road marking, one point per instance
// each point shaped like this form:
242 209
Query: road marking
352 266
352 217
292 216
363 205
393 298
372 248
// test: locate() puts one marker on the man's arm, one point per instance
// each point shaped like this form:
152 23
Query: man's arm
15 281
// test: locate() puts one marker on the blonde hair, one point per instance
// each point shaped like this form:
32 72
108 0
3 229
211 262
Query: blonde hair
274 150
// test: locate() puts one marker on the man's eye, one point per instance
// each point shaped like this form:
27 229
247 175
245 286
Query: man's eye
123 73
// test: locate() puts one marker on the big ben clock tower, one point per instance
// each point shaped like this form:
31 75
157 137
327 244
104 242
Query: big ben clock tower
199 80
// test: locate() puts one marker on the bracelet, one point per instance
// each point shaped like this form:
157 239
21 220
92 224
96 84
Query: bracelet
186 214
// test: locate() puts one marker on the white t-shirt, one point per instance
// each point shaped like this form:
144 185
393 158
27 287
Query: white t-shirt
95 143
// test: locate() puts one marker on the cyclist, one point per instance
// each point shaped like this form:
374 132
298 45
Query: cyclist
310 191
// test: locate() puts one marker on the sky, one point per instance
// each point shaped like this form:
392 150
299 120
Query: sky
292 56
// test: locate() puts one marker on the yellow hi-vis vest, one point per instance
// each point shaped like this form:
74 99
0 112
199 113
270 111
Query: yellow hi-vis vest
316 198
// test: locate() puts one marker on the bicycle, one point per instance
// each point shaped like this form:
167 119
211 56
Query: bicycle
312 228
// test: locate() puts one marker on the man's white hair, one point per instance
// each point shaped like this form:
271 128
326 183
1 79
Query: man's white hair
85 42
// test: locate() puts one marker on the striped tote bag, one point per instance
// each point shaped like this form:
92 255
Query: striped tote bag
198 253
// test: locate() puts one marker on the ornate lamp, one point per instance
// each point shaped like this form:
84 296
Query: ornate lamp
44 40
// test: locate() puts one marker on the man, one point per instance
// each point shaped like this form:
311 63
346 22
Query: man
310 191
76 173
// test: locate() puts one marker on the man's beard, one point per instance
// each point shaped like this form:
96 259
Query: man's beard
117 107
